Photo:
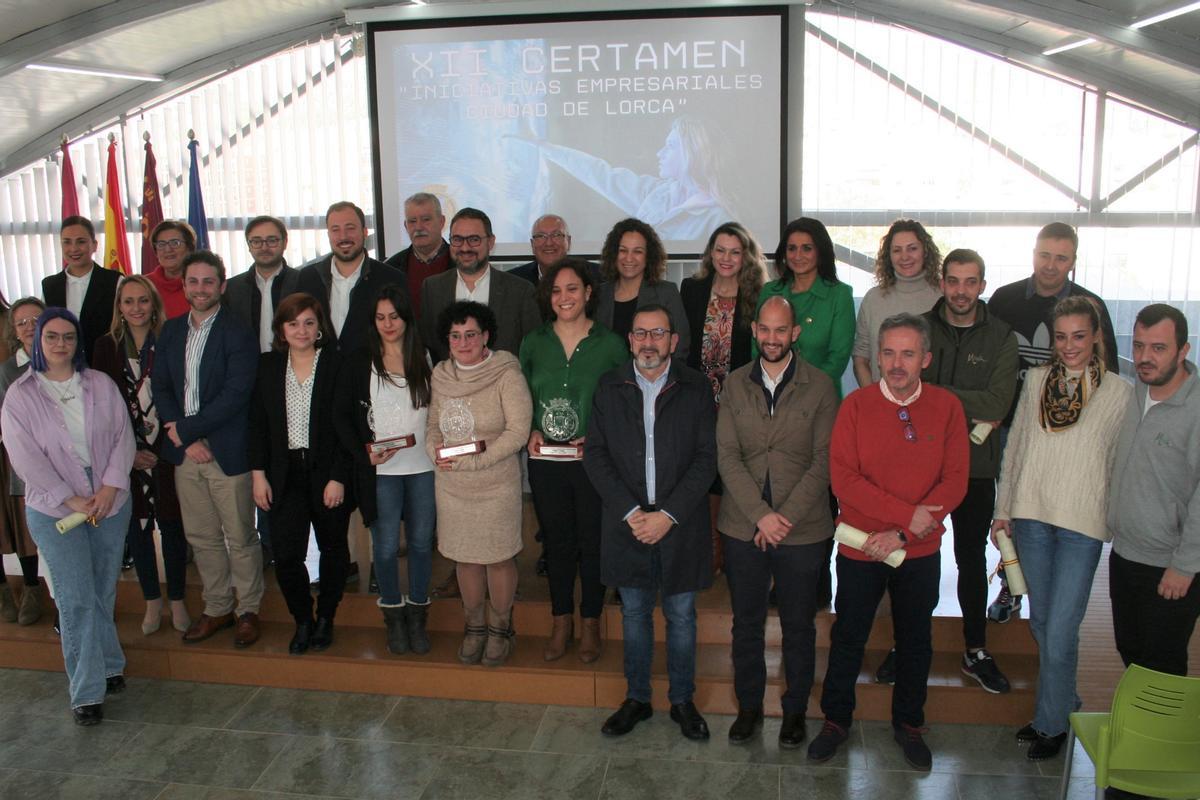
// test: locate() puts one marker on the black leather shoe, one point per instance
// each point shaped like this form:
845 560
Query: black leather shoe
302 639
624 718
88 715
748 721
114 685
1027 734
691 724
1045 747
792 732
322 635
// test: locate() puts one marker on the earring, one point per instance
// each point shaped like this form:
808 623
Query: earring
319 334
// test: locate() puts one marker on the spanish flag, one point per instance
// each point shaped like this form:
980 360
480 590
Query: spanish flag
116 245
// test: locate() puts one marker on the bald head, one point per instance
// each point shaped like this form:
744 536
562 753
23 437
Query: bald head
775 329
550 239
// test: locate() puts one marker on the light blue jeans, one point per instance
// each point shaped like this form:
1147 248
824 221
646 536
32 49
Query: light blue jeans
407 498
1059 565
637 627
84 564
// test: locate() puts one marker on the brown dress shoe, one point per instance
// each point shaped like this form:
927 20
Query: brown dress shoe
560 637
247 630
206 627
589 644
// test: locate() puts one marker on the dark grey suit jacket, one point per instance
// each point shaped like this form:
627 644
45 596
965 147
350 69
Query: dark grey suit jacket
242 296
510 298
317 277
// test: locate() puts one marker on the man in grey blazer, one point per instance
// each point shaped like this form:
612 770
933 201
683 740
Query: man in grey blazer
254 295
510 298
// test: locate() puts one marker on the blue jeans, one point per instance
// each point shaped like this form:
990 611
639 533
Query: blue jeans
637 625
1059 565
84 565
409 498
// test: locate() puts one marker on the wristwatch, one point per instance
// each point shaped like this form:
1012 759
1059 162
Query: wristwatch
903 538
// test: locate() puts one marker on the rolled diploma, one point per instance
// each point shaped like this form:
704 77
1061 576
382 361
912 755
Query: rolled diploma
70 521
1012 565
980 432
853 537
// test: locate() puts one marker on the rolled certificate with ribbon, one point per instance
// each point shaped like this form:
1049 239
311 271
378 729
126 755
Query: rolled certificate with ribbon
853 537
980 432
1010 564
71 521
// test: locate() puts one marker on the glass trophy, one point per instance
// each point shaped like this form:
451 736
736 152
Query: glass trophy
560 424
399 442
457 424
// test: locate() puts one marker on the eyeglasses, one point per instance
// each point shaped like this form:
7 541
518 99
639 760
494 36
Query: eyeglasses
459 241
640 334
173 244
910 433
25 323
54 338
542 238
466 336
261 241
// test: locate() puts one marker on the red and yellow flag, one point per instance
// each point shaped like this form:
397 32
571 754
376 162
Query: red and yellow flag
116 245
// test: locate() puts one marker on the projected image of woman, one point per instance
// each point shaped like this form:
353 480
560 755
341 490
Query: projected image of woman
685 201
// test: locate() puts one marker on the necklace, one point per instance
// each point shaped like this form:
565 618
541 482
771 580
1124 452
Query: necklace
64 395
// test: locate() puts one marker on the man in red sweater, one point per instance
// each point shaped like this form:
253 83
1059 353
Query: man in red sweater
898 461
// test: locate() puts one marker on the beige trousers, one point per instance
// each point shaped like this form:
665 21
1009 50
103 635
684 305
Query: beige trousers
218 520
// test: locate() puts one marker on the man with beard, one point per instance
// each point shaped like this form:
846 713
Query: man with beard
83 287
347 280
253 295
651 454
773 431
202 380
428 254
975 357
898 462
510 298
1154 503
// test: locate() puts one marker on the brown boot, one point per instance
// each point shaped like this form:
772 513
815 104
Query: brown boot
474 637
499 637
31 605
589 640
8 605
560 637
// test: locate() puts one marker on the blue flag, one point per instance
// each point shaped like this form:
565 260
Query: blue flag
196 216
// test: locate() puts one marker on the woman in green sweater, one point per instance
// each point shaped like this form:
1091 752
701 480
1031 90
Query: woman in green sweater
807 277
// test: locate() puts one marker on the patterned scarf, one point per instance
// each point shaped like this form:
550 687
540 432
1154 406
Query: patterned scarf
1063 398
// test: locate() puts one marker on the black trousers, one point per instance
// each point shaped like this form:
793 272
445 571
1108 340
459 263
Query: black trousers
795 570
568 509
913 587
302 505
1150 631
972 522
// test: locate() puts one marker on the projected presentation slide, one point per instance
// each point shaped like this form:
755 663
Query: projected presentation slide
674 120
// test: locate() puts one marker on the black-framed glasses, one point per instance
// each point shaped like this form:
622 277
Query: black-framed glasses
264 241
910 433
474 240
657 334
163 244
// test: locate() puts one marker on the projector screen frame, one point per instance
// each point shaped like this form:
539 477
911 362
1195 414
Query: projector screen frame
372 28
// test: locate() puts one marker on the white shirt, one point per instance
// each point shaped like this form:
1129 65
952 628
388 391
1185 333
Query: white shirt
266 311
339 292
298 403
76 290
22 357
481 292
912 398
69 396
1150 403
193 351
771 383
392 414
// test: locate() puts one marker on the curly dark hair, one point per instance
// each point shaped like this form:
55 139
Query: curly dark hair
459 312
656 254
545 287
885 273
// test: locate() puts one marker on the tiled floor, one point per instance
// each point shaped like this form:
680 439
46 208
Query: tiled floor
190 741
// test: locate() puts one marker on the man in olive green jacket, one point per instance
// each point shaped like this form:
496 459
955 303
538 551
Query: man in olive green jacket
773 432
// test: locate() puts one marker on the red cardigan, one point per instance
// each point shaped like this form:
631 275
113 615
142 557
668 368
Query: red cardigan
880 477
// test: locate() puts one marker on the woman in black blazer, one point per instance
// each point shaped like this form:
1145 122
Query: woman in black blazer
719 301
300 469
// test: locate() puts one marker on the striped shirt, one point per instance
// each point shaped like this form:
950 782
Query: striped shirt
193 352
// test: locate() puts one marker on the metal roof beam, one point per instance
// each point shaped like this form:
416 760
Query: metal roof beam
50 40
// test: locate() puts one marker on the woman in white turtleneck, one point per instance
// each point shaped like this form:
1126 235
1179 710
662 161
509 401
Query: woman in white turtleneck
907 271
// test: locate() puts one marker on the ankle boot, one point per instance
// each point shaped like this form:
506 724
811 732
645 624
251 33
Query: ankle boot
416 615
560 637
475 636
499 637
31 605
589 640
8 604
397 634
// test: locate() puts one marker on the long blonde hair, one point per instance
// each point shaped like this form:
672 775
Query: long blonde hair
118 329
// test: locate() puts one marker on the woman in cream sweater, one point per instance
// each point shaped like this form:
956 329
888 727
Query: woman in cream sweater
1052 499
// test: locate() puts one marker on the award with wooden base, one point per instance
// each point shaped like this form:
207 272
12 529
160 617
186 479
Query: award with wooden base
392 443
560 424
457 425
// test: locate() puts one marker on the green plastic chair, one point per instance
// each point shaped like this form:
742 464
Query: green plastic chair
1149 743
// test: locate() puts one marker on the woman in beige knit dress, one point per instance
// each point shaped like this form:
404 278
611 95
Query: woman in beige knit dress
479 395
